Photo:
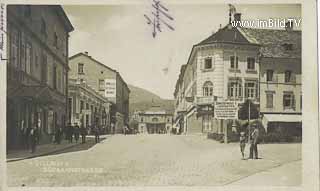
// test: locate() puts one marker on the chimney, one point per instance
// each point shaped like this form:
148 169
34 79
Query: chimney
289 26
86 53
237 17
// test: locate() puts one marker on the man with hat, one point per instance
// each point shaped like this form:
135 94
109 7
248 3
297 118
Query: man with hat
254 143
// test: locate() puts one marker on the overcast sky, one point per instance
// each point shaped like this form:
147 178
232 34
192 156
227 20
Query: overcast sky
119 37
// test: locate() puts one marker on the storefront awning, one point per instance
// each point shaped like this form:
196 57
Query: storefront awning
282 117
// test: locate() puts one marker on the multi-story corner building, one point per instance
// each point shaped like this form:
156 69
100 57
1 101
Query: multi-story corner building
37 68
280 79
154 120
108 82
87 107
227 66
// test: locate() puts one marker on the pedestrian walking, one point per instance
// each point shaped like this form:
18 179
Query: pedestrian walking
97 134
83 132
254 143
24 135
33 139
70 132
242 143
76 132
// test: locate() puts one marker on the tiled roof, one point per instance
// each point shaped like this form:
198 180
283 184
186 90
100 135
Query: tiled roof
273 41
226 35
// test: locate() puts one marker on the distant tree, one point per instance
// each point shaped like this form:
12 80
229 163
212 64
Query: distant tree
243 112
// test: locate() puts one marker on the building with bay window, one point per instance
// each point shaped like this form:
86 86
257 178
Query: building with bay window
239 64
37 69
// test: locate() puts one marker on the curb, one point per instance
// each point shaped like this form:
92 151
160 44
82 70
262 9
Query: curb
42 154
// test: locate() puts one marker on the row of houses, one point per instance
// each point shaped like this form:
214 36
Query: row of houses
47 89
239 64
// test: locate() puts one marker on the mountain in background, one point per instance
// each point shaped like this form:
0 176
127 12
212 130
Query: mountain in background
141 100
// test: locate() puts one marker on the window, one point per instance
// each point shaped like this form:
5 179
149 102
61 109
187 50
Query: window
234 62
168 120
288 100
235 89
55 40
141 120
208 63
269 98
301 102
14 48
251 63
28 58
43 28
269 75
251 90
80 68
54 80
87 106
44 69
27 11
208 89
81 105
154 119
101 85
287 76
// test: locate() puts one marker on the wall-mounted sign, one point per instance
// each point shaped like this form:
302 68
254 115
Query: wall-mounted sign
226 110
110 88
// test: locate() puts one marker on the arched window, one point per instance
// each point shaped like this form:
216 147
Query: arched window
207 88
154 119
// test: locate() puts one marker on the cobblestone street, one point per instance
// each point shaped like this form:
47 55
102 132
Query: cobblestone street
156 160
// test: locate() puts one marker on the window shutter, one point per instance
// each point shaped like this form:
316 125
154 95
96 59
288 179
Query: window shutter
283 101
293 102
257 90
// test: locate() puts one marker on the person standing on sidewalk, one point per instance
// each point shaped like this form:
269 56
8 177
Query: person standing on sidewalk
242 143
83 132
33 139
76 132
254 143
97 133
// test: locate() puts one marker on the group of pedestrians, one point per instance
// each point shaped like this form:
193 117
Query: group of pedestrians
254 140
30 136
74 131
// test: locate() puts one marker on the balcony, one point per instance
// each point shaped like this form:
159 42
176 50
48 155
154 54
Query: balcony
206 100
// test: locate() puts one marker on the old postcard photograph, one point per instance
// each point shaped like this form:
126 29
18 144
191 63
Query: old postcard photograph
159 94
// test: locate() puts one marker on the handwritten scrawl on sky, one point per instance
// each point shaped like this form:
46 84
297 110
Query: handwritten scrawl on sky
160 14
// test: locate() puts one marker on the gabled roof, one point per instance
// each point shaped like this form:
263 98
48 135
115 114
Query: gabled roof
226 35
62 14
273 41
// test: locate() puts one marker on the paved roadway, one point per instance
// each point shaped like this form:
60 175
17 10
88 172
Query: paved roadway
159 160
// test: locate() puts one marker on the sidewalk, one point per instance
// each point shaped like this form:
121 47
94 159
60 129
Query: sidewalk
284 175
46 149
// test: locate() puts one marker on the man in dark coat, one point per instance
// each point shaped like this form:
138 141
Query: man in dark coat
254 143
83 132
97 133
33 139
76 131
